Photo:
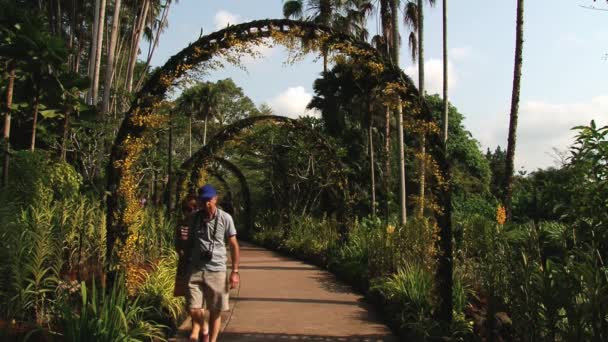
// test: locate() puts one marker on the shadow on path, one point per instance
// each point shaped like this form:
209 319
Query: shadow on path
259 337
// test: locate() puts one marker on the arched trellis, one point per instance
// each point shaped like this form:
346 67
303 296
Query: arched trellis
247 212
123 211
189 170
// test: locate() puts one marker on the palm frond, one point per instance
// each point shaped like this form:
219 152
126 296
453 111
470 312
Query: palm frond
413 44
410 16
293 9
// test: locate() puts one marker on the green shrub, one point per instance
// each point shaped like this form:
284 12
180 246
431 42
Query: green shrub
156 292
106 316
409 295
35 177
43 244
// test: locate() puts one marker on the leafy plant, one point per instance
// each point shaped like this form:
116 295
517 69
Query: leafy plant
107 316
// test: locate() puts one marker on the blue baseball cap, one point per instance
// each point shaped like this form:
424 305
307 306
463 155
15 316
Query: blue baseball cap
207 192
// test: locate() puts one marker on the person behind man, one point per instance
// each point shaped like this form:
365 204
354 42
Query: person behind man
209 230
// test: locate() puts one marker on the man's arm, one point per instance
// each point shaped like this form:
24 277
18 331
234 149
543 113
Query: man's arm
234 256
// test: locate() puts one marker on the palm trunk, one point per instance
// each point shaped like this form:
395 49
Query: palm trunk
93 53
80 50
395 55
169 168
72 25
445 265
35 115
136 38
163 20
401 163
519 40
205 132
190 134
445 75
371 157
99 50
58 18
422 165
64 142
387 161
107 89
7 122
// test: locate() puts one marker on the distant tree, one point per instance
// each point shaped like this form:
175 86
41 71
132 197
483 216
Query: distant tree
497 160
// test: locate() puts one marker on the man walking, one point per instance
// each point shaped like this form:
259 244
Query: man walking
209 230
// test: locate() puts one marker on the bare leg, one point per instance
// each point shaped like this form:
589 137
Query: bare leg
215 323
197 322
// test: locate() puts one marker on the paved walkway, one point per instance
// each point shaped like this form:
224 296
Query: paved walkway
283 299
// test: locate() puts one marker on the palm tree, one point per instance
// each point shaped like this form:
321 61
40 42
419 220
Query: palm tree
414 19
7 121
519 40
445 265
323 12
136 35
160 25
445 73
99 25
105 107
395 57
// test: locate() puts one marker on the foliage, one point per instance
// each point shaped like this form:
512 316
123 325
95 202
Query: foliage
37 178
107 316
42 247
471 172
156 292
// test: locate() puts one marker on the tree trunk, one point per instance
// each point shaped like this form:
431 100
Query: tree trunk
371 157
387 161
519 41
72 18
136 38
401 163
445 76
445 265
58 20
163 20
80 50
7 122
35 115
422 165
169 168
93 51
395 55
107 89
64 141
385 18
205 132
99 50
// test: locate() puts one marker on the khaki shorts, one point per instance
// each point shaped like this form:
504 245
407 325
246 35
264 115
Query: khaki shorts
209 288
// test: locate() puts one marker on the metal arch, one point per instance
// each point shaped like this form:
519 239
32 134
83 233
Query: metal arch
203 50
201 158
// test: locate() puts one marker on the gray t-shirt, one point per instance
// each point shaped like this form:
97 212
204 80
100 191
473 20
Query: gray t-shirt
211 236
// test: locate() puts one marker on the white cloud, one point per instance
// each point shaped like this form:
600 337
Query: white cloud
433 75
292 103
542 126
460 53
570 39
224 18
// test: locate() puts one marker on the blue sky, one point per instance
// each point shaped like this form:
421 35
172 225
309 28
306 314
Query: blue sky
564 71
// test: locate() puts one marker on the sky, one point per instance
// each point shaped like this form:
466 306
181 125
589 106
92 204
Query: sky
564 70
